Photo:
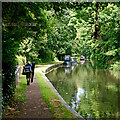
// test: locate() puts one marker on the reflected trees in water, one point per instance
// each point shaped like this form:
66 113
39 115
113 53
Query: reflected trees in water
91 92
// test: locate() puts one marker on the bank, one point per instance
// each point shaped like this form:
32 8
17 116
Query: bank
58 107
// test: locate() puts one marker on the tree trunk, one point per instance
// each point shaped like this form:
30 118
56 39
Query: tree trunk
97 27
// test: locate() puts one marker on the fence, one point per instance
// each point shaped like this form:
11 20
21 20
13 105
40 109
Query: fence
17 75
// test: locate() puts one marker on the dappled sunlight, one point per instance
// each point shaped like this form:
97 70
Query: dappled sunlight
45 32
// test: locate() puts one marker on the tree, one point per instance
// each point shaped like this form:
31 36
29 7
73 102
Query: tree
16 29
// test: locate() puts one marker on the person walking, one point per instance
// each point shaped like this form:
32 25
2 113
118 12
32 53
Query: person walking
28 67
33 67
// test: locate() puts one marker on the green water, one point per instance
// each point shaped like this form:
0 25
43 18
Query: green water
93 93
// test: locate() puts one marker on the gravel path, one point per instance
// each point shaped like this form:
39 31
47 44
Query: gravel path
35 106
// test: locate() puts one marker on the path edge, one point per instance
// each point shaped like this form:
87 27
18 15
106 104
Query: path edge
56 92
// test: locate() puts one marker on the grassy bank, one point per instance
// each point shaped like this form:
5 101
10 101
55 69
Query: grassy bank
56 107
18 100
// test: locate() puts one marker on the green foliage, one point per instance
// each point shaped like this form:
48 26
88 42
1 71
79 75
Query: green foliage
27 49
56 29
17 40
8 81
115 66
46 55
97 32
20 60
61 41
18 98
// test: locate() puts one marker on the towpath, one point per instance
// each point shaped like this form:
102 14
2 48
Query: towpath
35 106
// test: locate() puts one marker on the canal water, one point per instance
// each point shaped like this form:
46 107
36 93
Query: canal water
93 93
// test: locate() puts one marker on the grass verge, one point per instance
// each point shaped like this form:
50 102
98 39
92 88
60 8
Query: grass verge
18 100
56 107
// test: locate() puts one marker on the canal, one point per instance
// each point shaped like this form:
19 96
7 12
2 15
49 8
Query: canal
93 93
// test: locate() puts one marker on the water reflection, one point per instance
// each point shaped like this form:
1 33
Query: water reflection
82 61
76 101
93 93
70 67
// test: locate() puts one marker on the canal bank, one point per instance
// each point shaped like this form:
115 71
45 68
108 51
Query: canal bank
39 100
65 111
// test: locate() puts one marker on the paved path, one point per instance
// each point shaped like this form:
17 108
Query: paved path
35 106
